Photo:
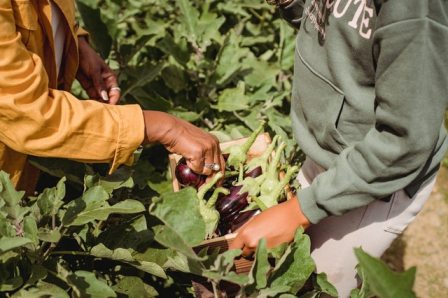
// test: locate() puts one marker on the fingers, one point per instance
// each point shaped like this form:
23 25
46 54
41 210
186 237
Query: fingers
110 79
100 86
240 242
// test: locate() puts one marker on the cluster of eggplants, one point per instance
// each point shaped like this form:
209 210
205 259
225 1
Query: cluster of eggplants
230 206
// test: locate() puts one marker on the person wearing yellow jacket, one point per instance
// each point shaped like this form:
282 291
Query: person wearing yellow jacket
42 51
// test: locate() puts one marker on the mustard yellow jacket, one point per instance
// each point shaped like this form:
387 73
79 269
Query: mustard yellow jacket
37 114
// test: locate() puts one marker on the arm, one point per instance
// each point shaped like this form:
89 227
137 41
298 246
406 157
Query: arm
39 121
411 96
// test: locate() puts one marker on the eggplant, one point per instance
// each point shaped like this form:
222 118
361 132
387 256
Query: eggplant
186 176
231 203
241 218
254 173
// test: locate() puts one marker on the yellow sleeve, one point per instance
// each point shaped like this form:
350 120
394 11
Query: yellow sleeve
39 121
81 32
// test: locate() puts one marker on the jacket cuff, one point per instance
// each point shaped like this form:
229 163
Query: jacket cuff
130 135
309 205
82 32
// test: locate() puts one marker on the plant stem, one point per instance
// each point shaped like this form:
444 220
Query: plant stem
207 186
70 252
212 201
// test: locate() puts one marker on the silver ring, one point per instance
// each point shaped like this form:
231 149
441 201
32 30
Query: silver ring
115 88
212 166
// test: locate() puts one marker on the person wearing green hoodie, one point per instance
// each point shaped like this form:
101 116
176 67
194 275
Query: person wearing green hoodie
368 104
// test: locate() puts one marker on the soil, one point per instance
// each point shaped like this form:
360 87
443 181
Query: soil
424 244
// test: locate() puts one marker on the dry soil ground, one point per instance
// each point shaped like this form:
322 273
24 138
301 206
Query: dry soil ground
424 244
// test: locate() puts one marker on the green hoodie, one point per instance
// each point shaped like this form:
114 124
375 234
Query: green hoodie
369 97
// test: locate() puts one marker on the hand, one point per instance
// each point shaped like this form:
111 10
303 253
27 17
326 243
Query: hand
95 76
178 136
277 225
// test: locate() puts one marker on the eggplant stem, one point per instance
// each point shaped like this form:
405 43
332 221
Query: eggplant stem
273 165
212 201
281 186
207 186
251 139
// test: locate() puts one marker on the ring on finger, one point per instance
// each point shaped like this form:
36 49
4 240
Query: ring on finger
115 88
212 166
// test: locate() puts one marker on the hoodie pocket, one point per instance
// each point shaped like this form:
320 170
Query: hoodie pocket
320 102
25 16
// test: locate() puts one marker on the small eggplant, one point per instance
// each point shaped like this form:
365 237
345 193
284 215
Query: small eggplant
234 202
241 218
254 173
186 176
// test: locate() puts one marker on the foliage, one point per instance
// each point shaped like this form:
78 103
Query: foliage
221 65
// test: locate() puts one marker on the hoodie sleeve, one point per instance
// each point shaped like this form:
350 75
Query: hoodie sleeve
411 88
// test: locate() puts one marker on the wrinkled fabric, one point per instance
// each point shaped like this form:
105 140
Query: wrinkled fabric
37 115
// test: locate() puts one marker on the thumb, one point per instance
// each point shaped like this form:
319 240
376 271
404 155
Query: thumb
237 242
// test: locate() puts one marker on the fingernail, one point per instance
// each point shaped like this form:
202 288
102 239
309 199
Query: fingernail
104 95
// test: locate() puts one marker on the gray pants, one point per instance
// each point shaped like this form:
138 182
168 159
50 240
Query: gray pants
372 227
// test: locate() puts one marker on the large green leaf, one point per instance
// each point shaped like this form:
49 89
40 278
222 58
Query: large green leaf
384 282
233 99
10 243
51 199
93 205
125 256
99 32
41 289
10 199
179 212
86 284
133 286
295 266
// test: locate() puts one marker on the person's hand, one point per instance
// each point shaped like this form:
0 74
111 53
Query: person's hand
198 147
277 225
95 76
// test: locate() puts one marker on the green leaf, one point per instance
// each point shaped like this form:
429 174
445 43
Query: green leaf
189 18
11 199
99 33
51 199
143 75
179 212
93 205
181 262
222 269
30 229
86 284
261 266
169 238
325 286
59 167
48 235
383 281
121 178
41 289
175 78
10 243
296 265
133 286
232 99
125 256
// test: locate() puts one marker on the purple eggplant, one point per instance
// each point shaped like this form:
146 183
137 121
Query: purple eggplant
254 173
186 176
233 202
241 218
